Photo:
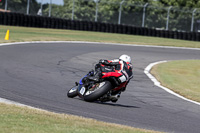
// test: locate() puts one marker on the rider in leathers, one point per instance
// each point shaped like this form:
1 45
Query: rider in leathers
121 67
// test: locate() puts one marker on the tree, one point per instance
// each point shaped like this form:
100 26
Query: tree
181 3
181 13
20 6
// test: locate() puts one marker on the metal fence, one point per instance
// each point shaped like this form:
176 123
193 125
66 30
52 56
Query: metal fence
122 12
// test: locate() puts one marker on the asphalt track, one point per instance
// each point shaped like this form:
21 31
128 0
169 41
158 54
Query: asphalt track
39 75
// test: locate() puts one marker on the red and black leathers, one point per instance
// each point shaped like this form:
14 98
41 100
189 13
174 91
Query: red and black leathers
117 68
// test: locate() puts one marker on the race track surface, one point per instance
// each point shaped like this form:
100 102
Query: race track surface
40 75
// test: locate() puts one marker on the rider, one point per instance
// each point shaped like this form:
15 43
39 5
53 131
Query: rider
122 68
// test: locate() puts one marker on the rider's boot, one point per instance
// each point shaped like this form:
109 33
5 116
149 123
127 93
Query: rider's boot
114 98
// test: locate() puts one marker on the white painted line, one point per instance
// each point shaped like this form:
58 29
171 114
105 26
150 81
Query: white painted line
156 83
2 100
10 102
84 42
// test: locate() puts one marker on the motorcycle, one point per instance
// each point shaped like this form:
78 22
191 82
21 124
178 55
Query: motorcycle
99 85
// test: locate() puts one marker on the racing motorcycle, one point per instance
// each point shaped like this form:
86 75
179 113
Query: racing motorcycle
99 85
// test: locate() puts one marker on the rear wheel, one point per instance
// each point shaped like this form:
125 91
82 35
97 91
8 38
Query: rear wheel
97 90
72 92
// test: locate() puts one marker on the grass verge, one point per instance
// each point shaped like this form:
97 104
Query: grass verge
14 119
183 77
21 34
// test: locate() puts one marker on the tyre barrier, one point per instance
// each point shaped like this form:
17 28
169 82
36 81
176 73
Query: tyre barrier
18 19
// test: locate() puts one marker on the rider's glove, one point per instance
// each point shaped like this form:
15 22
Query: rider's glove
91 73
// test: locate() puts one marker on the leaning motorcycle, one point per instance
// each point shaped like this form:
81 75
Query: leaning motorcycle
97 85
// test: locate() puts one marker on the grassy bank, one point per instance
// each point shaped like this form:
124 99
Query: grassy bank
15 119
21 34
183 77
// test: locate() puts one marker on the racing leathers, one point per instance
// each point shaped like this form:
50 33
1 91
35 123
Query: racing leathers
118 68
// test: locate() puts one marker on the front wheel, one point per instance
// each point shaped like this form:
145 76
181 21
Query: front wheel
72 92
97 91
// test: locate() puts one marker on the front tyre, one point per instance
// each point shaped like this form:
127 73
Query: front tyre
97 91
72 92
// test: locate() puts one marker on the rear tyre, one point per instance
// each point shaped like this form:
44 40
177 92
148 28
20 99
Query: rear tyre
72 92
98 90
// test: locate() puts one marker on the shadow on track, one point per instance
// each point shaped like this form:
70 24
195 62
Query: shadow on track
108 104
116 105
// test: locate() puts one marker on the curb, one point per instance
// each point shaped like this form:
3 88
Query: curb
158 84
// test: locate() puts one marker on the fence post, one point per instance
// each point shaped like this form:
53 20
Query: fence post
120 12
41 7
96 14
143 17
192 23
167 24
73 10
6 5
28 5
50 8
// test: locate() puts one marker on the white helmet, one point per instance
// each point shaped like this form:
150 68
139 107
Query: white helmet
125 58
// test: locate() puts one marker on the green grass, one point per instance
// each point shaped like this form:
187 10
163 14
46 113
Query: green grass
183 77
21 34
14 119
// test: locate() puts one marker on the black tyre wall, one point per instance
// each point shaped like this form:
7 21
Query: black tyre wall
17 19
